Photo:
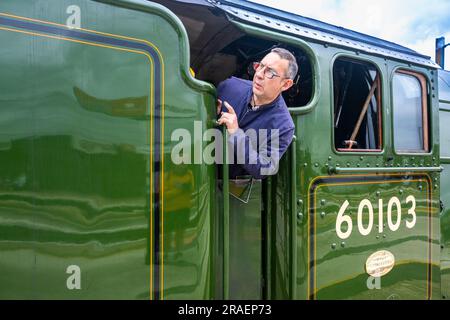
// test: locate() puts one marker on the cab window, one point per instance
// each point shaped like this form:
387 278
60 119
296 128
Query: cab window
444 120
410 112
357 106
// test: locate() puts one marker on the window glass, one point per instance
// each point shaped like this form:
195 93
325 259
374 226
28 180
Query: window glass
409 130
357 100
444 128
444 85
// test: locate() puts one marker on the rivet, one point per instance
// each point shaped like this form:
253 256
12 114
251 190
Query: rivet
420 188
300 202
316 164
322 215
300 216
378 193
343 244
400 191
333 246
384 236
436 186
322 202
305 165
378 237
329 158
361 158
348 164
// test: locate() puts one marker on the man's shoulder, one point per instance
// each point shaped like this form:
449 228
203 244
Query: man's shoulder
283 114
234 83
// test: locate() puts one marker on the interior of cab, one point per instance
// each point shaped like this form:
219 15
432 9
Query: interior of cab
219 50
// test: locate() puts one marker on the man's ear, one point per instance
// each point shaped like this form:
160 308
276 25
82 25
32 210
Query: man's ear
287 84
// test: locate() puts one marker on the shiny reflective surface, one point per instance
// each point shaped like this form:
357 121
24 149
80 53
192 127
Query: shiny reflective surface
409 278
78 142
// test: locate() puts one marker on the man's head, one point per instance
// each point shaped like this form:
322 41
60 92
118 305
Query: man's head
273 75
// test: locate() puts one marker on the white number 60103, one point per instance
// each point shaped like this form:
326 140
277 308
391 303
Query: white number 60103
343 219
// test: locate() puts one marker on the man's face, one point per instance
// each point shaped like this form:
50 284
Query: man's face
266 89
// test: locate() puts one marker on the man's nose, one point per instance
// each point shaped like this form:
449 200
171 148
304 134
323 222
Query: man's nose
260 73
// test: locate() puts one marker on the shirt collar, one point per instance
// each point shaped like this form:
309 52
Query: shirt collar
264 106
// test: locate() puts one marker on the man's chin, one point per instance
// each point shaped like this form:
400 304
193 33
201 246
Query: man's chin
257 91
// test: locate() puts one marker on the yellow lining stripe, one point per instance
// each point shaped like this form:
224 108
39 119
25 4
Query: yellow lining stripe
151 120
429 211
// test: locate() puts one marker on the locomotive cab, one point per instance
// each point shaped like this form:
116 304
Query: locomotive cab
219 49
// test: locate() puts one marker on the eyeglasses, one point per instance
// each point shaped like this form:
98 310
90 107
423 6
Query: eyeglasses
268 72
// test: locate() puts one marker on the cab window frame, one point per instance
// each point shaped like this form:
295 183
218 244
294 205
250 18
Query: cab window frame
378 94
444 107
424 81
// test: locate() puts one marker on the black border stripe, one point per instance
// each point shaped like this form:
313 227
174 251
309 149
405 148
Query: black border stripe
102 39
375 178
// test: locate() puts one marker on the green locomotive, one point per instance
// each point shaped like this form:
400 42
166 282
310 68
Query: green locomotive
92 205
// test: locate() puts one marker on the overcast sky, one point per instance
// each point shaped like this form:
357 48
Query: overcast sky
412 23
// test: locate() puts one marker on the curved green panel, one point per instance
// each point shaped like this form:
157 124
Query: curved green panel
86 120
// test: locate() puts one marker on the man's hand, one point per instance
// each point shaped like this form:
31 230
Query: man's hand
219 106
229 119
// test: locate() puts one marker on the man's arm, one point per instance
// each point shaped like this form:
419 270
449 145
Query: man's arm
265 161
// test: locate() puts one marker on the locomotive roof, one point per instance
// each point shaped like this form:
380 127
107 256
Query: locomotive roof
268 17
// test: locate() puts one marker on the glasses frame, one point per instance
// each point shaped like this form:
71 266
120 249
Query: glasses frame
258 65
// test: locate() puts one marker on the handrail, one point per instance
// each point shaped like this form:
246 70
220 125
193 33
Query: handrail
226 218
338 170
293 175
364 110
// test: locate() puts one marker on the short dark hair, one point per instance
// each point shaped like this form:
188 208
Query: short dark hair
286 55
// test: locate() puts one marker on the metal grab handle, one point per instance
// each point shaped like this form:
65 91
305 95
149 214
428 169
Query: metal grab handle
293 239
226 218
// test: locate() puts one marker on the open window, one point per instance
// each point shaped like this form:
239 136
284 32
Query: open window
411 130
357 106
220 50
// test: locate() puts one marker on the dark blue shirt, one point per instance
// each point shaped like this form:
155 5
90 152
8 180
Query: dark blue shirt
260 158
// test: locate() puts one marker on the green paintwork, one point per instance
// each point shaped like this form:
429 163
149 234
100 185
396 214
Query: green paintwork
444 117
77 173
75 180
